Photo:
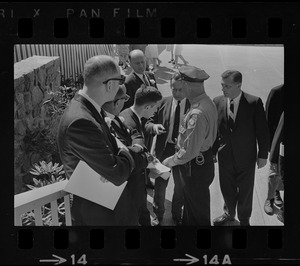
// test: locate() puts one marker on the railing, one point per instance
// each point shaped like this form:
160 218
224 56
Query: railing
36 198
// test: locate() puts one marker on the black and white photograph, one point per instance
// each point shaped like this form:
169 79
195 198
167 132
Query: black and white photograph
149 135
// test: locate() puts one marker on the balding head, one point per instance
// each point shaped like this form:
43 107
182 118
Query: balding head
137 61
98 69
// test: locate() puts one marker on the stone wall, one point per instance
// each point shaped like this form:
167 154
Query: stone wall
34 78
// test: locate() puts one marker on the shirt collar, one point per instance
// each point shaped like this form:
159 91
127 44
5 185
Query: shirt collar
140 75
236 99
83 94
136 114
110 115
181 102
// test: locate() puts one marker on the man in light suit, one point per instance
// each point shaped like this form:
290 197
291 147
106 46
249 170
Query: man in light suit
242 126
165 124
84 135
145 104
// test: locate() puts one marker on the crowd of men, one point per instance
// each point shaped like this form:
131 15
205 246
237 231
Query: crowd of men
193 132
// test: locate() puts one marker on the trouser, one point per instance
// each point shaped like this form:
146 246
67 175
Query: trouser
237 190
160 189
274 182
196 191
137 187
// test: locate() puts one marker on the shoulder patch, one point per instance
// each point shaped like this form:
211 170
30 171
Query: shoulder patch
195 111
192 121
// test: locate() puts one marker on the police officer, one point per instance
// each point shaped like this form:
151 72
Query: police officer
197 133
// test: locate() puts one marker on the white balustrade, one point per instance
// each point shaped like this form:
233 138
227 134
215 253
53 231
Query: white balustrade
38 197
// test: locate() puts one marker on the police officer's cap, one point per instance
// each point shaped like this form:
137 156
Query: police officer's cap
193 74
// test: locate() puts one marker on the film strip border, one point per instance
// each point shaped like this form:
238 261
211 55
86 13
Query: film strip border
249 23
158 22
154 245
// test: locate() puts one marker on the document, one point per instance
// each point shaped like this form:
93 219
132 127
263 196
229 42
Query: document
158 169
86 183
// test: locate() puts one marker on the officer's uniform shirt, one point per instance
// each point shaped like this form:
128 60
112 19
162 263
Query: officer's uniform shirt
197 131
172 116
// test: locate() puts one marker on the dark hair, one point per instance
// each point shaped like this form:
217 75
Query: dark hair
236 75
145 95
99 66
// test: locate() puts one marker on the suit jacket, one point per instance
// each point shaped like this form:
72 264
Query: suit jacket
250 130
162 116
137 183
274 109
84 135
133 83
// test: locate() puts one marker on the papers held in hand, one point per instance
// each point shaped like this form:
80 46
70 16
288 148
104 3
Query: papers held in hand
158 169
86 183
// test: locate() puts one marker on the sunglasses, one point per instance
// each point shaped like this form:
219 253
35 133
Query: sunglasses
120 79
125 98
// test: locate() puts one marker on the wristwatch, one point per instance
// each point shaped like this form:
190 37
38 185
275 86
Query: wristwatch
150 157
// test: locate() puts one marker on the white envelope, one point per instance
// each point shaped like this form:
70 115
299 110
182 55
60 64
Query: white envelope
86 183
158 169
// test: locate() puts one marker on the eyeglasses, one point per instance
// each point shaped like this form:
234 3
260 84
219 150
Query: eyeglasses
120 79
125 98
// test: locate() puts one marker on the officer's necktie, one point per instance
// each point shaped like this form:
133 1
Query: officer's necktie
176 122
145 80
231 115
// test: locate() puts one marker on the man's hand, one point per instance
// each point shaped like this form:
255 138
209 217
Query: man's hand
261 162
169 162
159 129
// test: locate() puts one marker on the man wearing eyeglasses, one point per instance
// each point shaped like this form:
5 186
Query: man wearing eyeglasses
165 124
197 134
84 135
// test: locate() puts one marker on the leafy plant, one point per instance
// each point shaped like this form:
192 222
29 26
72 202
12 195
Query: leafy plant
47 173
60 99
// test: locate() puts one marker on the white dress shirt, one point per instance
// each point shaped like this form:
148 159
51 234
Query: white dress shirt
236 102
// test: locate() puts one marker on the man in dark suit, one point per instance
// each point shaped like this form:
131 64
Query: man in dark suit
83 135
242 126
133 81
165 124
138 76
145 104
274 109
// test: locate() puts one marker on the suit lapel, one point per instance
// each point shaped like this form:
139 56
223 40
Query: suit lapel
138 78
98 118
241 110
167 113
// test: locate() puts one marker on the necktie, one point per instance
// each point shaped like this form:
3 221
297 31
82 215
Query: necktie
176 122
231 115
145 80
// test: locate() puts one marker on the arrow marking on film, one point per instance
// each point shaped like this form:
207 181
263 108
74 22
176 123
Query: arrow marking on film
58 260
191 260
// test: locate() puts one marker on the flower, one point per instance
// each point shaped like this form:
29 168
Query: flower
108 121
152 81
